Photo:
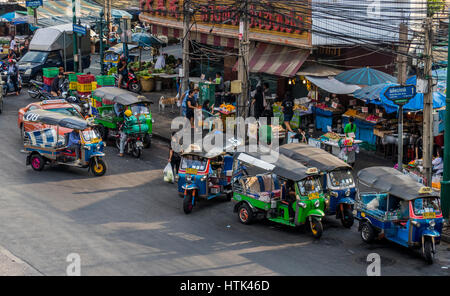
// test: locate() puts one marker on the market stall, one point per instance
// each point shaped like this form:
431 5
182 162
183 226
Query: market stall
339 145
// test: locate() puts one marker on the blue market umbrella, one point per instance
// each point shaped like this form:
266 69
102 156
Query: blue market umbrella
365 76
439 75
145 40
117 13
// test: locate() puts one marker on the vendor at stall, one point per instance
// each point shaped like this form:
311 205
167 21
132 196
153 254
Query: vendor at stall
438 164
288 111
350 127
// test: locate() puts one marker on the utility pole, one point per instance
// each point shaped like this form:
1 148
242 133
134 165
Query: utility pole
75 47
401 78
35 18
243 70
445 184
428 105
186 43
102 53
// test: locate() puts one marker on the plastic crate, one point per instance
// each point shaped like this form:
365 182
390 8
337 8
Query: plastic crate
85 79
94 85
50 72
105 80
84 94
73 85
73 77
84 87
48 81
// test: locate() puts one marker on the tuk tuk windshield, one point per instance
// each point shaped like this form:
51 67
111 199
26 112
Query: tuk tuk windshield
310 185
341 178
426 205
90 135
194 162
140 109
66 111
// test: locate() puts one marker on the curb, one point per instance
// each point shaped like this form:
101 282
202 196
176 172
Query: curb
163 138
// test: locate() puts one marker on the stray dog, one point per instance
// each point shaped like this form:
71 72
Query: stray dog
163 102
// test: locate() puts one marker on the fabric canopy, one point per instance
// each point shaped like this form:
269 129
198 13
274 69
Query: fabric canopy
276 59
332 85
371 93
365 76
319 71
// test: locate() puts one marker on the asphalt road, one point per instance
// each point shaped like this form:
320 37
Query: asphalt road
130 222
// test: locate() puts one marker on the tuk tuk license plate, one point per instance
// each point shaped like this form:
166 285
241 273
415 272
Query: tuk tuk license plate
429 215
191 171
313 195
139 144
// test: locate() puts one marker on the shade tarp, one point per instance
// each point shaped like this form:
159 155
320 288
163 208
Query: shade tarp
365 76
389 180
318 70
119 95
276 59
332 85
371 94
313 157
57 119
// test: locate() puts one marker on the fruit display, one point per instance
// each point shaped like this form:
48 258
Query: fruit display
330 136
373 118
227 108
300 107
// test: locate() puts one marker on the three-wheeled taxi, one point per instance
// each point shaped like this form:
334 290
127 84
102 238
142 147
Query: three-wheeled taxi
402 210
114 103
112 55
45 146
204 175
337 178
283 191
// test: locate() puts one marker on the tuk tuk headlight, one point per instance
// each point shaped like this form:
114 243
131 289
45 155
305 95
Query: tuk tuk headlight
302 204
347 193
203 179
28 72
188 178
415 223
432 223
335 194
317 203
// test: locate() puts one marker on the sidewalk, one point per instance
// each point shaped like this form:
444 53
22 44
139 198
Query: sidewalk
10 265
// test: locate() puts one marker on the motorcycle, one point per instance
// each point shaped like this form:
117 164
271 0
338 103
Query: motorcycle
131 83
133 145
8 87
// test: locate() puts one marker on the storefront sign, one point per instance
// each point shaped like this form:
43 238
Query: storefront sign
400 95
79 29
266 17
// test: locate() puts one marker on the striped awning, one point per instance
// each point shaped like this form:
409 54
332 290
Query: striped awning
276 59
208 39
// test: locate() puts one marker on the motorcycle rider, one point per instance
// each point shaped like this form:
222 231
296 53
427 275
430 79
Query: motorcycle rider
56 87
123 71
13 73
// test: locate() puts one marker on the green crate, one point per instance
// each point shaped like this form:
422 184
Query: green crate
105 80
50 72
368 147
73 77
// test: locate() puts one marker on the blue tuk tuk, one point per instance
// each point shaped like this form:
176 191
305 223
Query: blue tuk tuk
204 174
337 178
401 210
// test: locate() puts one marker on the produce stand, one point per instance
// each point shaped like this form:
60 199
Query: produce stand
414 170
325 116
338 145
300 113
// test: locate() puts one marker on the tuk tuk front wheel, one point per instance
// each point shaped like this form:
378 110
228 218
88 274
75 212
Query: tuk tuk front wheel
245 214
37 162
136 151
428 251
135 87
367 232
347 218
187 203
98 167
316 227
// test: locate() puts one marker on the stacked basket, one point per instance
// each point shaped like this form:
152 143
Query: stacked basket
102 81
49 75
73 80
84 84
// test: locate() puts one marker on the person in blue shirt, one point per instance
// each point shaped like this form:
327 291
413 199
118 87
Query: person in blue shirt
186 96
118 109
74 144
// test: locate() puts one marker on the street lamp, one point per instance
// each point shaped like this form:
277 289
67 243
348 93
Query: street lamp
102 54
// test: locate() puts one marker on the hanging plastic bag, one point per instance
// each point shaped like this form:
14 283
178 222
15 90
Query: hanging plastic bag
168 173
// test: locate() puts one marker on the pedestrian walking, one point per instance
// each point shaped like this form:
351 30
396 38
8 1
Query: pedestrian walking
13 73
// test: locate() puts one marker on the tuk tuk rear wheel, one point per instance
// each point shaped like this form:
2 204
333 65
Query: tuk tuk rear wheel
316 227
367 232
428 252
187 203
245 214
347 218
98 168
37 162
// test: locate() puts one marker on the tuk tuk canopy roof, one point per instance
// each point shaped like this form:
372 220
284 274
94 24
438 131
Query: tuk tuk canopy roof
54 118
389 180
313 157
283 166
228 142
119 95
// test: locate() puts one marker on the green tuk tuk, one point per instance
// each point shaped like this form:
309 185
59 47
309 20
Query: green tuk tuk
283 191
114 103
